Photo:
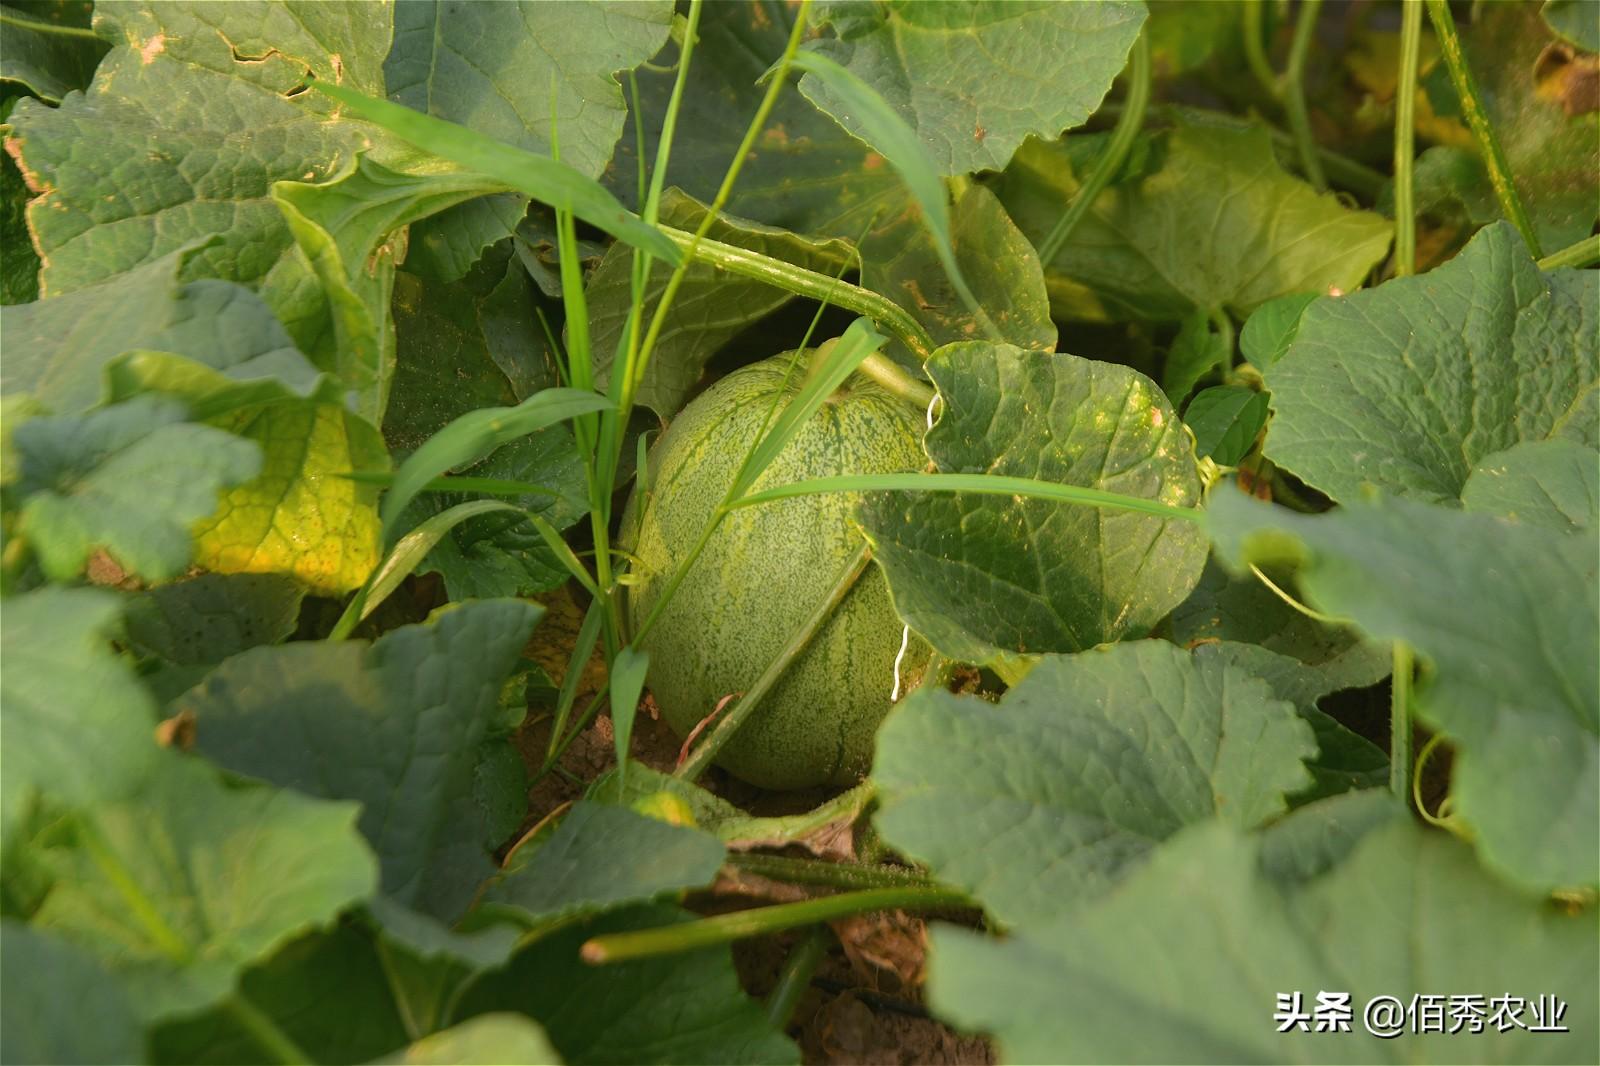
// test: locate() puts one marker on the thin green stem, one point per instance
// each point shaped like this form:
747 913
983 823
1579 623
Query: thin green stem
888 374
1400 722
265 1032
989 484
1110 161
724 191
1255 51
1585 253
807 283
1405 210
734 717
832 874
795 977
16 18
726 928
1494 159
1223 325
1294 93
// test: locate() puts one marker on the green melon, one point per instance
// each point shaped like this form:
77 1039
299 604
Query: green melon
765 570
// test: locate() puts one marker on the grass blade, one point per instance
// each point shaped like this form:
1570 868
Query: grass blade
563 552
535 175
489 486
990 484
897 142
405 557
477 433
582 649
627 684
829 371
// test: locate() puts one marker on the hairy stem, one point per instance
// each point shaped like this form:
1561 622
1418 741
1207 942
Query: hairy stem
888 374
808 283
1255 51
1110 161
1294 94
832 874
1405 216
725 928
1585 253
1494 159
795 977
734 717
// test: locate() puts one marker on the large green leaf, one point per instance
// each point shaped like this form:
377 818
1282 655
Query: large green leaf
99 145
982 575
76 724
686 1008
1090 761
510 70
59 349
43 54
710 309
347 721
130 479
1554 483
602 857
1408 386
973 79
1186 960
1508 616
181 886
60 1006
327 992
1210 221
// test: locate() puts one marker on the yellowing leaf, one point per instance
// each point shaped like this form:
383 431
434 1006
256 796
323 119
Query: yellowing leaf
299 516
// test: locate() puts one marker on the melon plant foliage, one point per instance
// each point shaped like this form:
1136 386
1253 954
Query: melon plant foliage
1240 535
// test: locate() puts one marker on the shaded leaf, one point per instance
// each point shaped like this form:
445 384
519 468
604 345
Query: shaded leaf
205 619
77 726
599 858
1196 351
1272 327
328 993
1216 223
1406 387
1403 915
1091 761
1225 421
181 886
1538 97
686 1008
445 246
974 79
1228 608
345 720
130 479
1510 655
981 575
44 61
52 988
